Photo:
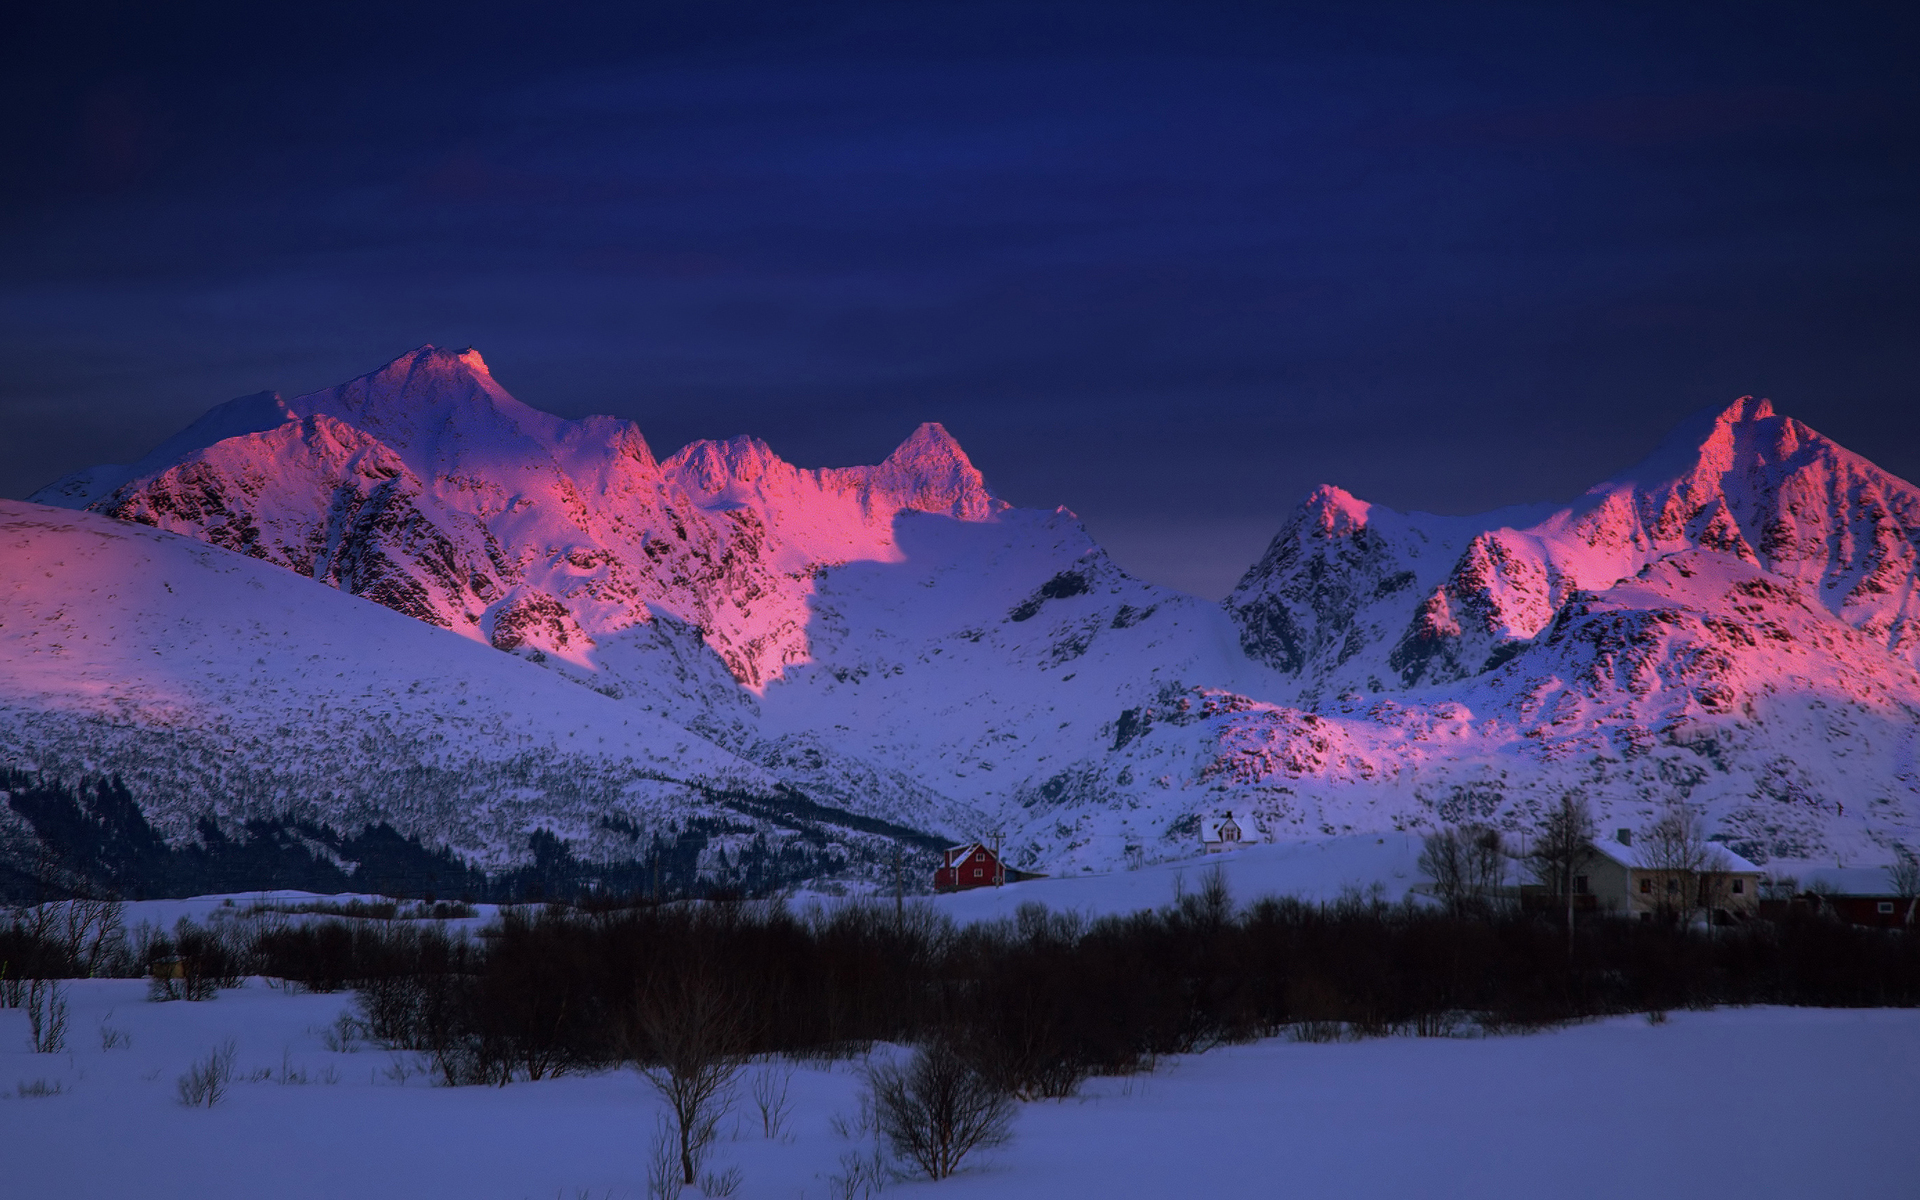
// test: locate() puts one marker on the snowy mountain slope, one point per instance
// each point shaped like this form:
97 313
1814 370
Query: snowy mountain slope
1702 679
1607 653
219 685
994 658
1350 597
1733 623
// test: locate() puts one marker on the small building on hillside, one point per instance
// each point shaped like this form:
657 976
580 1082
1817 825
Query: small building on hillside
973 865
1218 834
1624 879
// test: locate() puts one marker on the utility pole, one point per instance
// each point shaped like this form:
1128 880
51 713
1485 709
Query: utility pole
999 864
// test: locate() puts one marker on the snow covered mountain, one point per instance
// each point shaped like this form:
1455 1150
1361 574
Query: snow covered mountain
1734 622
223 688
1353 597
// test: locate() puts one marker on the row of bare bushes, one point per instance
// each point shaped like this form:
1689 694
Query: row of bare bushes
1043 1000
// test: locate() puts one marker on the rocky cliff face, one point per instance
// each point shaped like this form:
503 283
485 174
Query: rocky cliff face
1732 623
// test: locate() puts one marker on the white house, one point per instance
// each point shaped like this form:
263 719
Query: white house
1627 880
1218 834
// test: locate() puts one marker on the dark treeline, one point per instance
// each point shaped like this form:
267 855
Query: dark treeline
1042 1001
91 839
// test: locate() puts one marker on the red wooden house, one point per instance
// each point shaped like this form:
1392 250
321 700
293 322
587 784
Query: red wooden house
970 866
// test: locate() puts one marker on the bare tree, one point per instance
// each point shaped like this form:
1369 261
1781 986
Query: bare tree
689 1039
1904 874
1466 864
1562 847
91 931
1691 872
938 1109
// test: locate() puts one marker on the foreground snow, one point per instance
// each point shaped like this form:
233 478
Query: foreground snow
1754 1103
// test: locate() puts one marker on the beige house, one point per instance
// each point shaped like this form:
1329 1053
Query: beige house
1624 879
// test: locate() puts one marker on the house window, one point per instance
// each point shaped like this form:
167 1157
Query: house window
1579 885
1646 887
1739 887
977 872
1673 887
1885 906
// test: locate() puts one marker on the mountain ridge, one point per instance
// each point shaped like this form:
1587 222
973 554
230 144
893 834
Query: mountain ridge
897 641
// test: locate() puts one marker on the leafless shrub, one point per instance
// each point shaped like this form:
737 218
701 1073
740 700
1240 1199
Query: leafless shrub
720 1184
111 1037
860 1126
206 1082
92 932
39 1088
1904 873
289 1075
769 1089
862 1175
46 1016
1466 864
663 1163
344 1035
938 1109
1444 1023
401 1067
689 1037
1317 1032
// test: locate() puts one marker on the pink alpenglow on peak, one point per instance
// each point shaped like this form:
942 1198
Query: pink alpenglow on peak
427 487
1334 511
1733 624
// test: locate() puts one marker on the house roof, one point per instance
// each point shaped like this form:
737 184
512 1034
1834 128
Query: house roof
1210 827
1636 857
1848 881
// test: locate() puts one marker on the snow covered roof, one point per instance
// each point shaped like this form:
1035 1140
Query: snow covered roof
1848 881
1210 828
1636 857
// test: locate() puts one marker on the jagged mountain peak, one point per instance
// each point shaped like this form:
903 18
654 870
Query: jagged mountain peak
893 637
711 465
929 472
443 406
425 486
1330 511
1345 581
1722 448
930 444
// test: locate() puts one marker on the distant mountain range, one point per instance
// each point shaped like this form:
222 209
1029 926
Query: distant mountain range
600 647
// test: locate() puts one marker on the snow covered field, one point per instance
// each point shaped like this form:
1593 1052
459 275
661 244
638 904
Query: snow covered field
1747 1103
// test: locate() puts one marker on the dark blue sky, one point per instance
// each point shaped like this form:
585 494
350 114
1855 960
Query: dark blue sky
1169 265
